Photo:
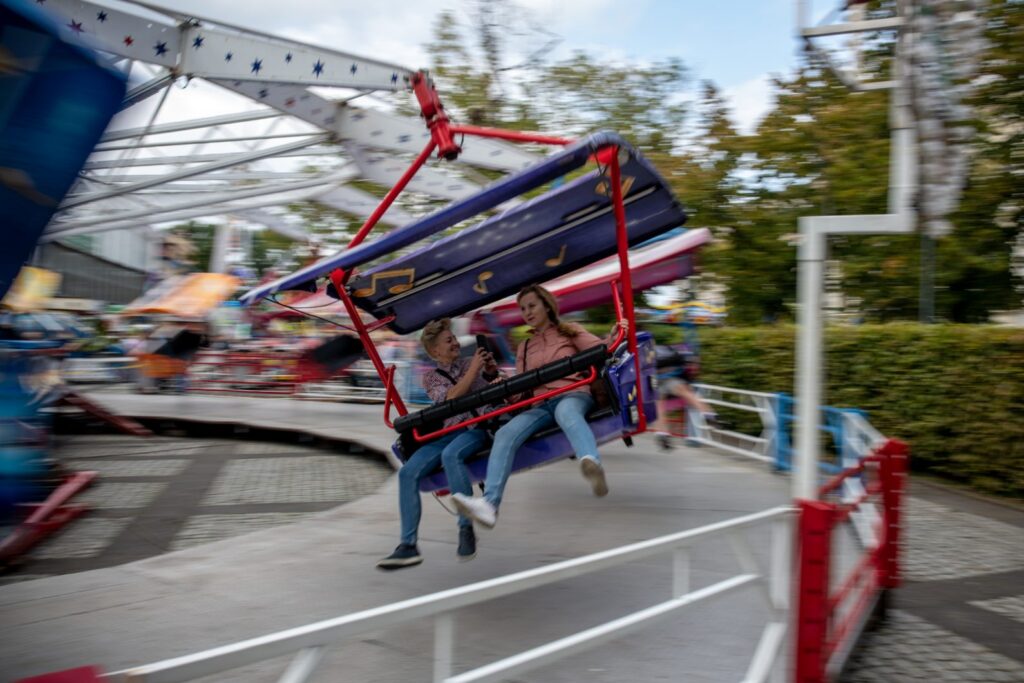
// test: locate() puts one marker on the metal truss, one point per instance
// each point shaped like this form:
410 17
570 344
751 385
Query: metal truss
294 135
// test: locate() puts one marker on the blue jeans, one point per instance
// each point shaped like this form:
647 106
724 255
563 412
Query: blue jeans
451 449
568 411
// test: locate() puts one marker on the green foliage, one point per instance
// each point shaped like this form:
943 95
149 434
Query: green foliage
954 393
201 236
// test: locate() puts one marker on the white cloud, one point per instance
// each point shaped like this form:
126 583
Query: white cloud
750 101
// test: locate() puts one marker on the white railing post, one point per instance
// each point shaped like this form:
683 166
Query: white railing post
444 642
309 640
303 665
780 586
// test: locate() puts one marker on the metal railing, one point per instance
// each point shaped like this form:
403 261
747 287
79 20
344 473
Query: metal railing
307 643
852 436
763 446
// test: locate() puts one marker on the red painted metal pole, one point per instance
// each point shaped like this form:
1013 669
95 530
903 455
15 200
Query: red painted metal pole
618 316
893 473
338 278
389 198
627 284
511 135
815 539
433 113
33 529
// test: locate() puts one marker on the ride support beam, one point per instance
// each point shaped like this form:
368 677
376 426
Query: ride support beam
338 278
437 120
627 284
388 200
893 469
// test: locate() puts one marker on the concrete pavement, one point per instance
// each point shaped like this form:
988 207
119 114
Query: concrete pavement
322 567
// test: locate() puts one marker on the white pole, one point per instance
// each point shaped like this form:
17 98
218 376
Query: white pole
810 262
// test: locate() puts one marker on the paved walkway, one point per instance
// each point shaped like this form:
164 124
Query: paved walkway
960 616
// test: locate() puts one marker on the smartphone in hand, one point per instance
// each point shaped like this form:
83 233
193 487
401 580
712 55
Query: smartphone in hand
482 342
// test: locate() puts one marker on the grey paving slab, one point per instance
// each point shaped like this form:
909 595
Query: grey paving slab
1011 606
128 468
87 537
293 479
116 495
908 648
201 529
944 542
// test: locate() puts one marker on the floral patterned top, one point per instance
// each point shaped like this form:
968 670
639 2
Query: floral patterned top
437 386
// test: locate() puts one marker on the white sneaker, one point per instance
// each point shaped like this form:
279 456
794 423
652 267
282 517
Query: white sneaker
594 473
477 509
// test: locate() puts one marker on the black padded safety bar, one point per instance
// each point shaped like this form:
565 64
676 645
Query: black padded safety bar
499 391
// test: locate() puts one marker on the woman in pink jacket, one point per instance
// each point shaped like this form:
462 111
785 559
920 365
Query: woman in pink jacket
551 340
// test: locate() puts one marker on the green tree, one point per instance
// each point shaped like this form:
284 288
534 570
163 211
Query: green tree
974 275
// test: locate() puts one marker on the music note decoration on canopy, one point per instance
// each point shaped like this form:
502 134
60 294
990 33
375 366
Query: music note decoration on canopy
407 274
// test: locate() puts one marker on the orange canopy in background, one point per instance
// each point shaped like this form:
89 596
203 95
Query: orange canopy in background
189 297
32 289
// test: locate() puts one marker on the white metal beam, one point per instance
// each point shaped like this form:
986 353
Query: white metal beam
205 200
193 124
204 211
226 162
97 164
209 48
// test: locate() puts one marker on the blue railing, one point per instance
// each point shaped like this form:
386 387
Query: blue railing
833 423
777 412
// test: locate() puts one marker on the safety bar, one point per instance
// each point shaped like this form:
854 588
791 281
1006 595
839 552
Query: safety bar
507 388
610 349
501 411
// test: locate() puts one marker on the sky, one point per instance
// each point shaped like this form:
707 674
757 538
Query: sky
738 44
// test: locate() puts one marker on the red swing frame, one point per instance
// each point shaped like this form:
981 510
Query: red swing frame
442 138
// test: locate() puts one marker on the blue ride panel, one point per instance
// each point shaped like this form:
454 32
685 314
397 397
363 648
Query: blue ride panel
56 100
555 166
543 238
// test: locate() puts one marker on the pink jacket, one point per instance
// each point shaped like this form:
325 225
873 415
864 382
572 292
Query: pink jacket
550 345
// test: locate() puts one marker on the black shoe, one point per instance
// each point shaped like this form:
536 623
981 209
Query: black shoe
467 544
404 556
665 441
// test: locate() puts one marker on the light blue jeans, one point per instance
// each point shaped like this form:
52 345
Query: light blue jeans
568 411
452 450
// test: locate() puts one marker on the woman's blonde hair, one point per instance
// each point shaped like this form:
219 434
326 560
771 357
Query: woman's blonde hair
551 306
433 330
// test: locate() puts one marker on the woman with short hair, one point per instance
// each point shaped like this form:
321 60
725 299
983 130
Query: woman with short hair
453 377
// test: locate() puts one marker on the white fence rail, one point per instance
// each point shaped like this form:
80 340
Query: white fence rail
761 446
308 642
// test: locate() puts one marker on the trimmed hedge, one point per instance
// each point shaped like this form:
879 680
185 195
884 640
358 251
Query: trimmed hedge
954 393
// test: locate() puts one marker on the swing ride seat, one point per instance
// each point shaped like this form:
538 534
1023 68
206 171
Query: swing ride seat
570 226
607 422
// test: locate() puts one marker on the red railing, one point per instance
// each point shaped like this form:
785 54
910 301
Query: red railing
827 620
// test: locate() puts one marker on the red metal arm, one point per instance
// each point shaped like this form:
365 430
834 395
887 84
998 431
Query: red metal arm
433 113
511 135
338 277
501 411
389 395
389 198
618 317
627 285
